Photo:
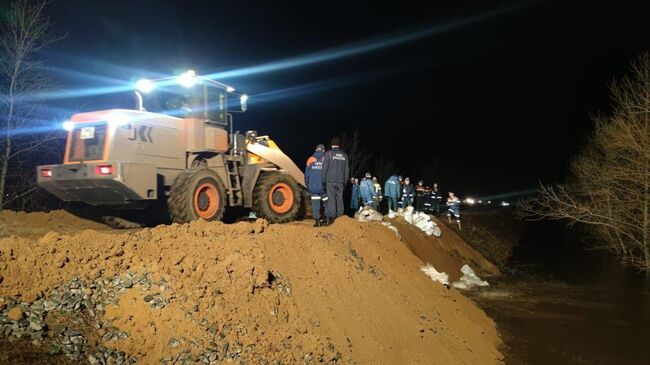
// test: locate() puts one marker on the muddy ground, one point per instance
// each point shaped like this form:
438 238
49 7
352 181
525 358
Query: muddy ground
75 291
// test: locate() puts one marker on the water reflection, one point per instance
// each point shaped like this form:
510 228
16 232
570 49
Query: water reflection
562 304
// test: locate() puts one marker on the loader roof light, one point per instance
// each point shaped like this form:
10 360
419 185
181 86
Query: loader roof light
68 125
187 79
144 85
230 89
117 119
243 101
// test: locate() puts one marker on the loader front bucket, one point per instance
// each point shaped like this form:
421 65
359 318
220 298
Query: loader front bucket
277 157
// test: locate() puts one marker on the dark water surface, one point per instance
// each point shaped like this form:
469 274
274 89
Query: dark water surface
562 304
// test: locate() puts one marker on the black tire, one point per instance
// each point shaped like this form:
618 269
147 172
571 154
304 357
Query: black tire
197 194
277 197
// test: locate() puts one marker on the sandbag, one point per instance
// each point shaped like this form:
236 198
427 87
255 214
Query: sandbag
434 275
469 279
368 215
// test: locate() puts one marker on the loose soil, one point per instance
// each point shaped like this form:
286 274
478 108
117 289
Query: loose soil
40 223
448 253
351 293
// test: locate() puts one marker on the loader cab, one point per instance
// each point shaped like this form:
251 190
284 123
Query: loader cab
188 96
202 101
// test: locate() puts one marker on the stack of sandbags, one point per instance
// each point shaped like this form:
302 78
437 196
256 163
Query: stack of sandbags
421 220
424 223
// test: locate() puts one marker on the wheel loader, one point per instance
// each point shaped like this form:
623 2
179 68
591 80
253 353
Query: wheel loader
176 147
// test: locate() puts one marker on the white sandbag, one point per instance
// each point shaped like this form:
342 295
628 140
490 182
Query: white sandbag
392 228
391 214
408 215
436 231
423 225
434 275
469 279
368 215
460 285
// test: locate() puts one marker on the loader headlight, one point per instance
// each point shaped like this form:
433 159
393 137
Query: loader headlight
187 79
68 125
230 89
144 85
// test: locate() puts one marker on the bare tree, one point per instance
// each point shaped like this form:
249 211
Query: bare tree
25 32
384 167
609 194
357 155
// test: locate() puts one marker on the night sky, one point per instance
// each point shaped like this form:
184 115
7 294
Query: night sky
485 106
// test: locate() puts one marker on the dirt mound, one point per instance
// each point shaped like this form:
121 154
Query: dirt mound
39 223
246 292
448 253
494 233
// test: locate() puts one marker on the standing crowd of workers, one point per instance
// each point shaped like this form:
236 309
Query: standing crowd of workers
328 171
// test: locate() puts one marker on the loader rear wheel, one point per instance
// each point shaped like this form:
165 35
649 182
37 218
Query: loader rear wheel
277 197
197 194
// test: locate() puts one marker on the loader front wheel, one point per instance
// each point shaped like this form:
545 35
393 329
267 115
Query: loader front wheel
197 194
277 197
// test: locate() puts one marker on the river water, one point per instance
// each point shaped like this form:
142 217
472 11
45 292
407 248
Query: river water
561 304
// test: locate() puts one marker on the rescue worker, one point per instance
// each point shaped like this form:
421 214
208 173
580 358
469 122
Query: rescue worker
392 189
427 200
354 198
419 196
436 199
367 191
407 193
314 183
378 195
400 203
453 208
336 172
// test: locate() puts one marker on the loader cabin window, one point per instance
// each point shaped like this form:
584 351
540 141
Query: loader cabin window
201 101
87 142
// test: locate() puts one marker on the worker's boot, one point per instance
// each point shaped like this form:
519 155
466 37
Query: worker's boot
328 221
317 223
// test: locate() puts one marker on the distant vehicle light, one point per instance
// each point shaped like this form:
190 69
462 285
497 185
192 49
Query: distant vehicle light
230 89
187 79
68 125
144 85
470 201
46 173
505 204
104 170
117 119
